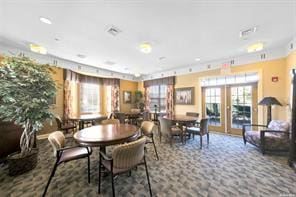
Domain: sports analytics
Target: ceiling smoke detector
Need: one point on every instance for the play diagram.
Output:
(114, 31)
(244, 34)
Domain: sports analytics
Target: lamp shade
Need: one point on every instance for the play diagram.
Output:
(269, 101)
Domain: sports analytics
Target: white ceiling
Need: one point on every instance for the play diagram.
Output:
(178, 30)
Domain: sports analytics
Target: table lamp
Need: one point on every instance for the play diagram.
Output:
(269, 101)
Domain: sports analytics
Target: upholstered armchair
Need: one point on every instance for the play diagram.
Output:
(169, 130)
(201, 130)
(124, 158)
(65, 154)
(274, 137)
(147, 128)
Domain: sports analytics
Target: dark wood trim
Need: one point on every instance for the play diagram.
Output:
(292, 153)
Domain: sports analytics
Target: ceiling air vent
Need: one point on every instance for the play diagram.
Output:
(247, 32)
(109, 63)
(113, 31)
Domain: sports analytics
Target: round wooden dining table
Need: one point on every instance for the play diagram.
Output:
(86, 118)
(181, 119)
(106, 135)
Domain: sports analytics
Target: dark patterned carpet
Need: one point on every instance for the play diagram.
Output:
(225, 168)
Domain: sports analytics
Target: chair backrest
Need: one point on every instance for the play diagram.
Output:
(147, 127)
(129, 154)
(110, 121)
(193, 114)
(57, 141)
(146, 115)
(59, 121)
(165, 125)
(204, 126)
(120, 116)
(136, 111)
(279, 125)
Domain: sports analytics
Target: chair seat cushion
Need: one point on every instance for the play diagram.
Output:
(74, 153)
(272, 140)
(107, 165)
(193, 129)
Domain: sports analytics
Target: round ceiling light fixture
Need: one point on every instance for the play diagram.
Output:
(45, 20)
(255, 47)
(145, 47)
(137, 74)
(197, 59)
(38, 49)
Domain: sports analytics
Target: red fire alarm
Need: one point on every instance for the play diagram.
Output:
(274, 79)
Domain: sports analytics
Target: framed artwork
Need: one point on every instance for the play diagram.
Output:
(127, 97)
(184, 96)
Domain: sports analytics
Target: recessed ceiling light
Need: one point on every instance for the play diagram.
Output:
(38, 49)
(56, 39)
(161, 58)
(255, 47)
(197, 59)
(137, 74)
(45, 20)
(81, 56)
(145, 47)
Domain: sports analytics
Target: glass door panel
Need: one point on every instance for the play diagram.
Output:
(213, 102)
(241, 104)
(241, 107)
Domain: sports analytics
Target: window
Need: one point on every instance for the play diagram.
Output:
(157, 95)
(213, 106)
(89, 98)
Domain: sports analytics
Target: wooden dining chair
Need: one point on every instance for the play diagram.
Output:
(200, 130)
(65, 154)
(110, 121)
(169, 130)
(147, 128)
(124, 158)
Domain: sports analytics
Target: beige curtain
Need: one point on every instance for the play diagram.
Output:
(115, 98)
(71, 97)
(170, 99)
(147, 99)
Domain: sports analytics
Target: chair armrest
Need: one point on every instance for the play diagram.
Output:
(254, 125)
(274, 131)
(102, 154)
(88, 149)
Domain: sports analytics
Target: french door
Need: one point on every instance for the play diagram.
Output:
(229, 107)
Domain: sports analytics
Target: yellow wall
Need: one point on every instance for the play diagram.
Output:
(127, 86)
(265, 70)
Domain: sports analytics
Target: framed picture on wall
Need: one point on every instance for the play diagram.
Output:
(184, 96)
(127, 97)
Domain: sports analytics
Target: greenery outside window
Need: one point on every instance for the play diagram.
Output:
(89, 98)
(157, 95)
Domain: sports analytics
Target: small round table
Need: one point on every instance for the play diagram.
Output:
(87, 117)
(181, 119)
(106, 135)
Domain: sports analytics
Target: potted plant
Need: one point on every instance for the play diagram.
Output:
(26, 92)
(139, 100)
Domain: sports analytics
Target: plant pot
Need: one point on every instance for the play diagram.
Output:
(18, 165)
